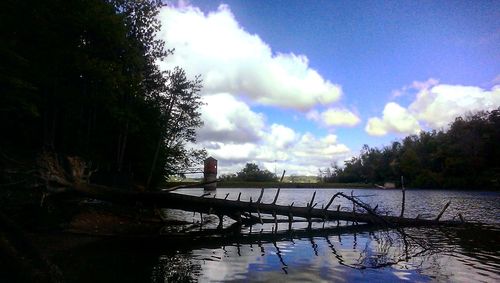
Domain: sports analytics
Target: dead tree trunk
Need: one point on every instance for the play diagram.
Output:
(231, 208)
(73, 181)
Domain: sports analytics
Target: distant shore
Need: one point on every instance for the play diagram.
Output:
(298, 185)
(288, 185)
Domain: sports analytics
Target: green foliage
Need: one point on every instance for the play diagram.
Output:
(251, 173)
(465, 156)
(80, 78)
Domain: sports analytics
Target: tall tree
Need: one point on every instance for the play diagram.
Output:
(81, 78)
(465, 156)
(180, 117)
(251, 172)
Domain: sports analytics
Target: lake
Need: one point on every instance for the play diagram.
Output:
(328, 252)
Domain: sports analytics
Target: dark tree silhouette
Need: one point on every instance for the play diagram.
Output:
(465, 156)
(80, 78)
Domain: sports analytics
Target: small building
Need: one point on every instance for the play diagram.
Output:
(210, 173)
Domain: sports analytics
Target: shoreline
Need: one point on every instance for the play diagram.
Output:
(273, 185)
(255, 185)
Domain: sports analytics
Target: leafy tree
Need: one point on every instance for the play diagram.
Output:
(465, 156)
(252, 173)
(179, 119)
(80, 78)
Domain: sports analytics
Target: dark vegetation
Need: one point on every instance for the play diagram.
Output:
(251, 176)
(78, 78)
(291, 185)
(250, 173)
(466, 156)
(79, 81)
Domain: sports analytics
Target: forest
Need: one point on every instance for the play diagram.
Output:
(250, 173)
(80, 78)
(465, 156)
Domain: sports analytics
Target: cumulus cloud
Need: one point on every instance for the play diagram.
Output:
(298, 153)
(327, 146)
(227, 119)
(415, 85)
(307, 153)
(240, 70)
(231, 60)
(394, 119)
(435, 106)
(441, 104)
(280, 137)
(235, 134)
(233, 152)
(334, 117)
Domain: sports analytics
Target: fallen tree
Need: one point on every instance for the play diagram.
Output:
(65, 178)
(71, 179)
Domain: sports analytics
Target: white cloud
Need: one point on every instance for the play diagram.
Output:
(425, 84)
(227, 119)
(280, 137)
(435, 106)
(334, 117)
(300, 154)
(394, 119)
(310, 146)
(240, 70)
(309, 152)
(441, 104)
(231, 60)
(234, 152)
(415, 85)
(235, 135)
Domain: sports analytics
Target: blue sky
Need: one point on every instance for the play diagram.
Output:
(303, 84)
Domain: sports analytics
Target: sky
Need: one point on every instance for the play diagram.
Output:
(301, 85)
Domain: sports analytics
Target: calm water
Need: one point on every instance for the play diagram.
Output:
(329, 252)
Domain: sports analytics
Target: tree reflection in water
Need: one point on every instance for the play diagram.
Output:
(357, 247)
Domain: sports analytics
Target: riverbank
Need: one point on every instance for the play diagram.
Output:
(250, 185)
(285, 185)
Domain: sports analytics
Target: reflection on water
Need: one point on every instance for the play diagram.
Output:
(382, 256)
(331, 252)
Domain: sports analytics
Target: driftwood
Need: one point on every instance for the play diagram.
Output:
(235, 209)
(196, 185)
(73, 180)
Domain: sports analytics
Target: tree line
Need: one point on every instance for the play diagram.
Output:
(466, 156)
(80, 78)
(250, 173)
